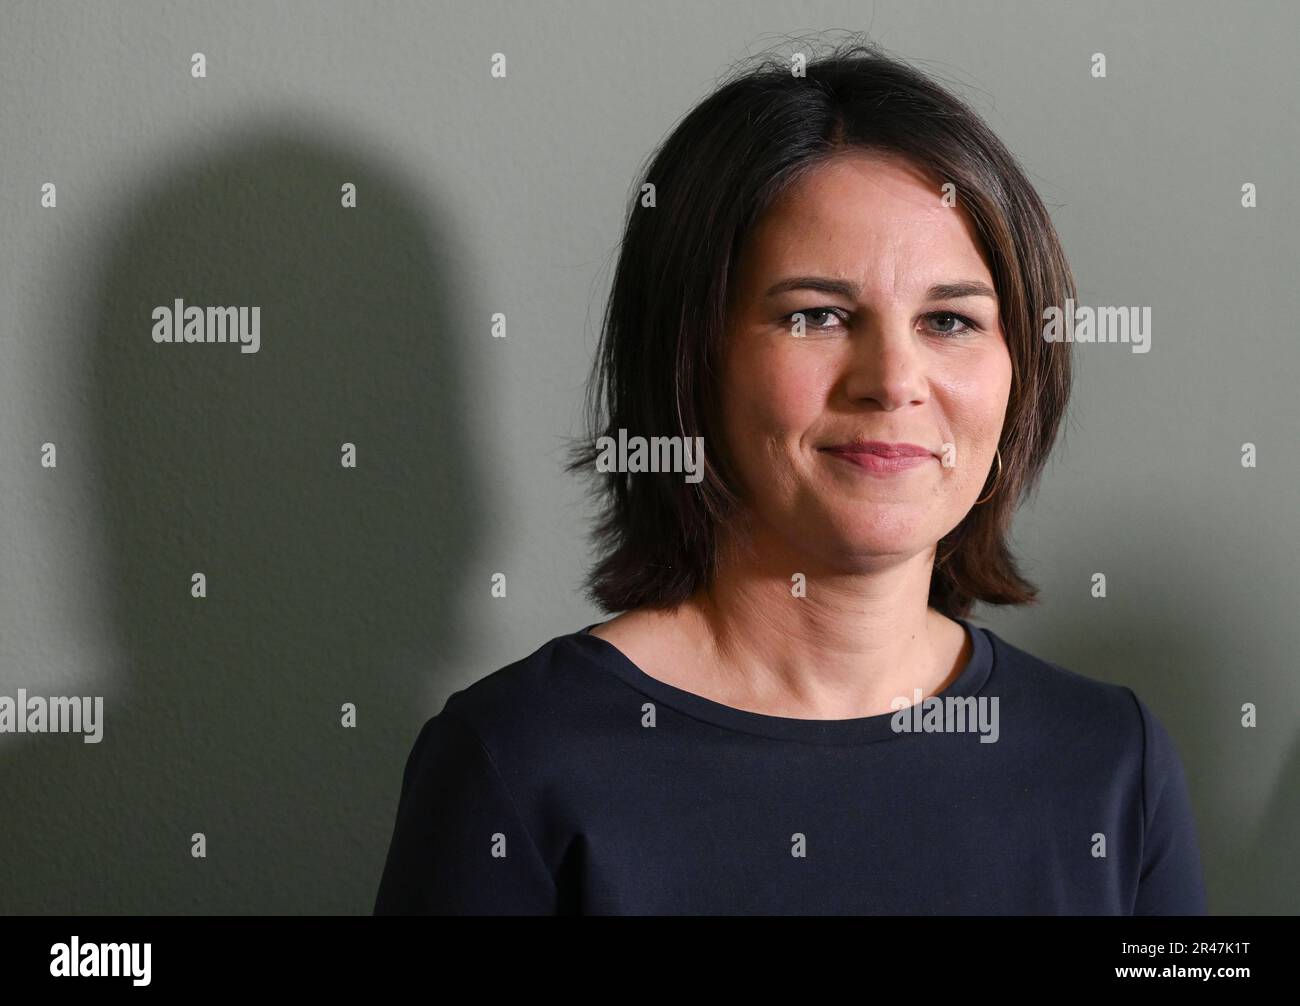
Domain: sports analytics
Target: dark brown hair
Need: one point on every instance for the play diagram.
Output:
(662, 338)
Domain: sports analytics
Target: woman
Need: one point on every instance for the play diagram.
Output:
(837, 281)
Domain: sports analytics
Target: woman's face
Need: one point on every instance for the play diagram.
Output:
(886, 357)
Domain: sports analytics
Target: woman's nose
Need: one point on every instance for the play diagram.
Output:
(887, 365)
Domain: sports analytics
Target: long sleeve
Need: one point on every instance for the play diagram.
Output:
(1171, 881)
(459, 846)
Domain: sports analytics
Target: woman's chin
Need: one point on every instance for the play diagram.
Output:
(870, 549)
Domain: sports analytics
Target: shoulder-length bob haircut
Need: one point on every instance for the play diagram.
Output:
(661, 346)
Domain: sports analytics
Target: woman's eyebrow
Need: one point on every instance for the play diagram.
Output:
(962, 288)
(845, 288)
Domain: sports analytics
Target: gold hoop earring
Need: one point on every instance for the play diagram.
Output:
(977, 503)
(995, 480)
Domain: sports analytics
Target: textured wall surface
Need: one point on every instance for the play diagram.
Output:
(328, 585)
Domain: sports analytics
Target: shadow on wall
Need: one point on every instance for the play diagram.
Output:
(325, 585)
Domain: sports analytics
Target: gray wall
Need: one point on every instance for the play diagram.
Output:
(479, 195)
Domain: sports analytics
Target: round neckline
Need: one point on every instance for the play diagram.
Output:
(857, 729)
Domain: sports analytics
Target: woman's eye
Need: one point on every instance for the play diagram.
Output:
(948, 324)
(946, 318)
(814, 317)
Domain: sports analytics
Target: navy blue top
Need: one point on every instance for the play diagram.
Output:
(571, 781)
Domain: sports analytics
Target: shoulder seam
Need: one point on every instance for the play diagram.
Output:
(1142, 777)
(473, 732)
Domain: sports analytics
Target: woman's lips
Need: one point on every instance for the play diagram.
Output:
(880, 463)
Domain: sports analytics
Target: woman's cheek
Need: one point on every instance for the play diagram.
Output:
(794, 393)
(758, 401)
